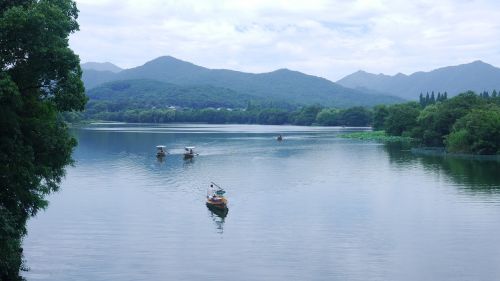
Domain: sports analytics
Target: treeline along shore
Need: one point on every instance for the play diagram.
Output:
(467, 123)
(265, 114)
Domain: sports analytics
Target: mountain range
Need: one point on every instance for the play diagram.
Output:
(285, 85)
(476, 76)
(175, 81)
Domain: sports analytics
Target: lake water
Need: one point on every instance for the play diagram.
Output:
(313, 207)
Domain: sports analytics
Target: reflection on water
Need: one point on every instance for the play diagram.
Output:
(188, 161)
(313, 207)
(473, 175)
(470, 174)
(218, 216)
(161, 159)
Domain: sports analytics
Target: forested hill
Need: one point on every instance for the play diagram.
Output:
(285, 85)
(476, 76)
(147, 94)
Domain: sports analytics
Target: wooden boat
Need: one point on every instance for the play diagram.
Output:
(217, 202)
(220, 212)
(189, 152)
(161, 151)
(215, 198)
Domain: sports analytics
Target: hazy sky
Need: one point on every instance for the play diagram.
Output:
(326, 38)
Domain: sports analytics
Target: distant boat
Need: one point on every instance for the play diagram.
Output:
(279, 138)
(216, 199)
(161, 151)
(189, 152)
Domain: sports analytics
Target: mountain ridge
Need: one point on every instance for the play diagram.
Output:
(101, 66)
(476, 76)
(282, 84)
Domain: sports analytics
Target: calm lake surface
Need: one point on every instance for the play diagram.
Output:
(313, 207)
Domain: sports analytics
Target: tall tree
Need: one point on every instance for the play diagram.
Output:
(477, 132)
(436, 121)
(39, 77)
(380, 112)
(401, 118)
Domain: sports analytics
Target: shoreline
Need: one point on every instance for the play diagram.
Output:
(381, 136)
(101, 122)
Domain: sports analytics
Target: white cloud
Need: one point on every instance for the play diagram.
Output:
(325, 38)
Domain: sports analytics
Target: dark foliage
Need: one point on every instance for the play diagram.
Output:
(467, 123)
(39, 77)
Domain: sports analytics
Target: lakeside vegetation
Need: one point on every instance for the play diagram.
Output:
(376, 136)
(467, 123)
(266, 114)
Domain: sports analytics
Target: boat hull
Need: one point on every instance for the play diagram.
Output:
(221, 212)
(220, 204)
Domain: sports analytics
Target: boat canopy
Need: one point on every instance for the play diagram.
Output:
(160, 146)
(215, 188)
(189, 147)
(215, 191)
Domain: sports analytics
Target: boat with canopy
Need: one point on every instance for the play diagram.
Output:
(161, 151)
(215, 198)
(189, 152)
